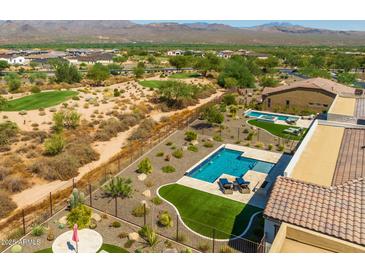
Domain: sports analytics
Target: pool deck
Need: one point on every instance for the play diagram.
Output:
(255, 197)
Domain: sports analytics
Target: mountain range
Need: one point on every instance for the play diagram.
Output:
(122, 31)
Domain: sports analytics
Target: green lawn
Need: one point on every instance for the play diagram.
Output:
(276, 129)
(107, 247)
(150, 83)
(39, 100)
(184, 75)
(201, 211)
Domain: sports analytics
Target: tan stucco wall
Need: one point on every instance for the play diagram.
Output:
(318, 160)
(294, 239)
(343, 106)
(299, 99)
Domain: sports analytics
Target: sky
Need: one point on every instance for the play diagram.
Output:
(324, 24)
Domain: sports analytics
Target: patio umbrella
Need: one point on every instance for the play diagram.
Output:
(75, 237)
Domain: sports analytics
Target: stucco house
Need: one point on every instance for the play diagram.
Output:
(315, 94)
(13, 59)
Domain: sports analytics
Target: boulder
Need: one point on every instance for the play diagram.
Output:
(147, 193)
(134, 236)
(63, 220)
(142, 177)
(96, 217)
(194, 142)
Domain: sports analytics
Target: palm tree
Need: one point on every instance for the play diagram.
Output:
(119, 187)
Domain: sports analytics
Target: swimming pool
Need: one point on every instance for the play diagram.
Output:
(281, 117)
(230, 162)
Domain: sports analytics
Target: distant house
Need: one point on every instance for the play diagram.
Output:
(175, 52)
(12, 59)
(226, 54)
(315, 94)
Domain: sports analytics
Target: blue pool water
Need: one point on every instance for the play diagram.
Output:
(230, 162)
(253, 113)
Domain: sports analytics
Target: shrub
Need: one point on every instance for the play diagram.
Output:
(193, 148)
(165, 220)
(16, 248)
(270, 146)
(191, 135)
(119, 187)
(80, 215)
(122, 235)
(168, 143)
(204, 247)
(8, 130)
(15, 183)
(168, 169)
(144, 130)
(281, 148)
(229, 99)
(217, 138)
(116, 93)
(7, 205)
(249, 136)
(139, 210)
(54, 145)
(225, 249)
(181, 238)
(156, 200)
(149, 235)
(38, 230)
(145, 166)
(35, 89)
(208, 144)
(116, 224)
(50, 235)
(178, 153)
(159, 154)
(129, 243)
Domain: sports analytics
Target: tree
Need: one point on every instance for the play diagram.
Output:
(80, 215)
(208, 63)
(3, 65)
(346, 78)
(145, 166)
(314, 72)
(237, 69)
(213, 115)
(54, 145)
(98, 73)
(180, 61)
(66, 72)
(3, 102)
(229, 99)
(13, 81)
(174, 93)
(138, 71)
(345, 62)
(268, 81)
(119, 187)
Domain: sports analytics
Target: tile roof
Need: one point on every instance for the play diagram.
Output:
(313, 83)
(337, 211)
(351, 157)
(360, 108)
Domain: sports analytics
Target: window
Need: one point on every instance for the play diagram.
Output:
(287, 102)
(268, 102)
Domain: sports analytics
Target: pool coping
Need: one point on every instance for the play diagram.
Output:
(272, 113)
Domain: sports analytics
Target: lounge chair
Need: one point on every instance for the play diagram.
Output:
(242, 185)
(225, 186)
(291, 120)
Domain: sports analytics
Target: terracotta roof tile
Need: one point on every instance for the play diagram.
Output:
(336, 211)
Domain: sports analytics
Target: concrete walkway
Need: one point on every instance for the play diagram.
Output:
(90, 242)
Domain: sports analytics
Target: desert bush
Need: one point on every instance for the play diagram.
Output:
(80, 215)
(168, 169)
(54, 145)
(208, 144)
(35, 89)
(145, 166)
(204, 247)
(159, 154)
(191, 136)
(193, 148)
(8, 130)
(119, 187)
(7, 205)
(178, 153)
(66, 119)
(109, 128)
(38, 230)
(165, 220)
(14, 183)
(82, 152)
(139, 210)
(225, 249)
(217, 138)
(116, 224)
(156, 200)
(144, 130)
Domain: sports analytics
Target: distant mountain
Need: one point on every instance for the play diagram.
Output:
(121, 31)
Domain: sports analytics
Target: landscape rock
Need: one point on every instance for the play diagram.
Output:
(194, 142)
(147, 193)
(96, 217)
(63, 220)
(134, 236)
(142, 177)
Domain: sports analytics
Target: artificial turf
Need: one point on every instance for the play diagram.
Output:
(184, 75)
(39, 100)
(150, 83)
(106, 247)
(202, 211)
(276, 129)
